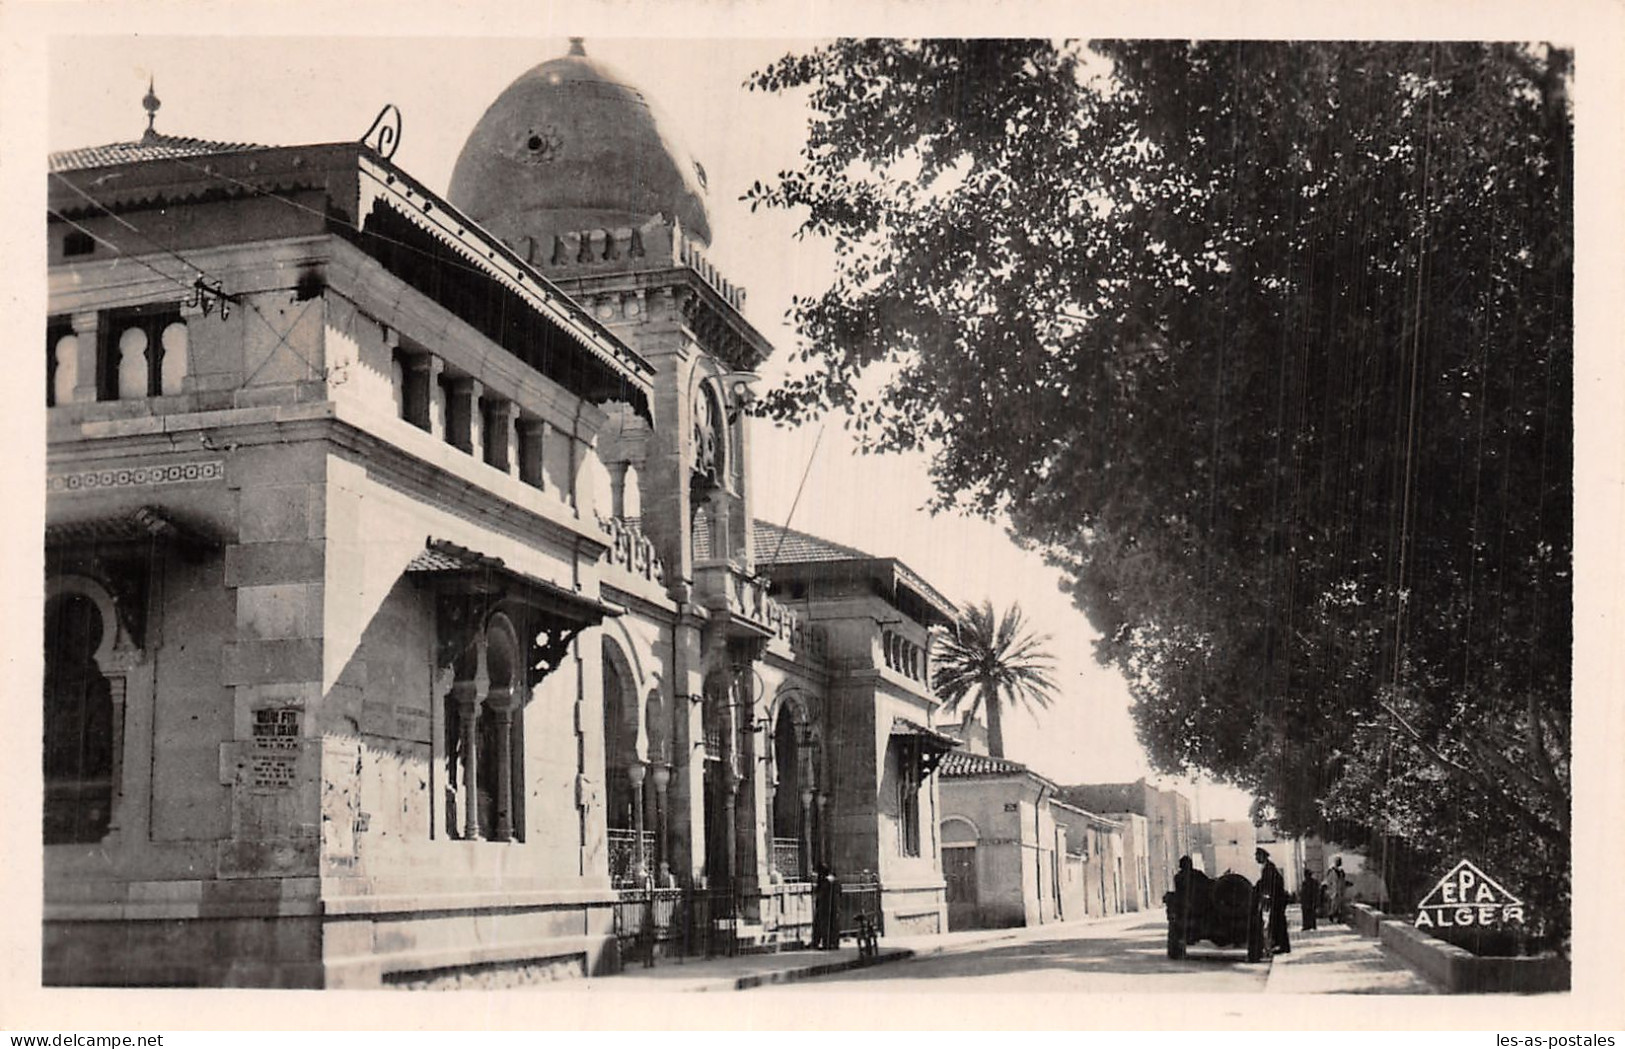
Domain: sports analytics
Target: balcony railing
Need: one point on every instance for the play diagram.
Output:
(630, 856)
(747, 600)
(630, 549)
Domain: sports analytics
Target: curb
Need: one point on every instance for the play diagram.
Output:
(745, 983)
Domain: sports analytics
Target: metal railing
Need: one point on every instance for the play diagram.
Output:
(860, 897)
(630, 857)
(692, 922)
(787, 859)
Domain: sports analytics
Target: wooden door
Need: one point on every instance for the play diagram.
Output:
(959, 870)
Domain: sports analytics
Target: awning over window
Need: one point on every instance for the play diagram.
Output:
(452, 567)
(144, 524)
(927, 744)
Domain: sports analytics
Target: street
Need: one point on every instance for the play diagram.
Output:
(1111, 957)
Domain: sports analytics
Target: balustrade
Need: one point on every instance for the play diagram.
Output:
(630, 549)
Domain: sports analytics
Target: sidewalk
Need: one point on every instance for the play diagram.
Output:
(745, 971)
(1334, 959)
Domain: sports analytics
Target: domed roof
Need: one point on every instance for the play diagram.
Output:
(570, 146)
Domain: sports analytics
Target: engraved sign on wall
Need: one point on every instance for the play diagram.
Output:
(276, 748)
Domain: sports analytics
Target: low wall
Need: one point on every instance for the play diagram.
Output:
(1367, 920)
(1459, 971)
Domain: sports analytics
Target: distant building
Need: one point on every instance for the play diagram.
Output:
(1097, 845)
(1166, 812)
(1228, 846)
(1002, 849)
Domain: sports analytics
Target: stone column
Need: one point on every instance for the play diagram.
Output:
(422, 377)
(635, 773)
(661, 779)
(730, 808)
(85, 390)
(117, 689)
(617, 488)
(823, 828)
(806, 833)
(463, 414)
(531, 433)
(467, 701)
(500, 702)
(499, 436)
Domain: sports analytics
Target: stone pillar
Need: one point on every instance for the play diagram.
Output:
(531, 432)
(635, 773)
(463, 414)
(117, 690)
(806, 833)
(500, 702)
(661, 779)
(499, 435)
(730, 809)
(422, 379)
(823, 828)
(617, 488)
(467, 700)
(85, 389)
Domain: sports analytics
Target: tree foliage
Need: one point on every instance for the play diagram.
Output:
(1268, 347)
(989, 662)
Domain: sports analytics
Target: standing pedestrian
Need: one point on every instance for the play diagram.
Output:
(1339, 883)
(1309, 896)
(826, 934)
(1271, 884)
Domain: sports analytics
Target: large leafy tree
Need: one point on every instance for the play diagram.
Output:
(1268, 347)
(988, 662)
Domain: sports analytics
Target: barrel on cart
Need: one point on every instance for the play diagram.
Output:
(1227, 911)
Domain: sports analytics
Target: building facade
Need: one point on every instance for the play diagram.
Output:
(1003, 851)
(406, 612)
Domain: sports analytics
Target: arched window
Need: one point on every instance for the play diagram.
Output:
(789, 829)
(79, 730)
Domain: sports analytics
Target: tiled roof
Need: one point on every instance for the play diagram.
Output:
(778, 545)
(906, 727)
(960, 765)
(149, 147)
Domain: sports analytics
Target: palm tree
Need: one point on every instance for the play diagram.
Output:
(990, 661)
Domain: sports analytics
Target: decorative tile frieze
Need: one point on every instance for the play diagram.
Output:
(136, 476)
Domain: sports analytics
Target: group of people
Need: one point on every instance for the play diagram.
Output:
(1310, 894)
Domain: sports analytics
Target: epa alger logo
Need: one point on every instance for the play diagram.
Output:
(1465, 897)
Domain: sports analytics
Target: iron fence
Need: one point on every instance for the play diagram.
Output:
(692, 922)
(860, 898)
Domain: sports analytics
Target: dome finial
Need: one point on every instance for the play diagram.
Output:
(151, 104)
(578, 46)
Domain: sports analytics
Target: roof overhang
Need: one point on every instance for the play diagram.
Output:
(145, 525)
(929, 744)
(353, 192)
(900, 583)
(447, 567)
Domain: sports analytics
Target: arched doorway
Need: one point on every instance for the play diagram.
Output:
(959, 837)
(631, 847)
(791, 799)
(79, 730)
